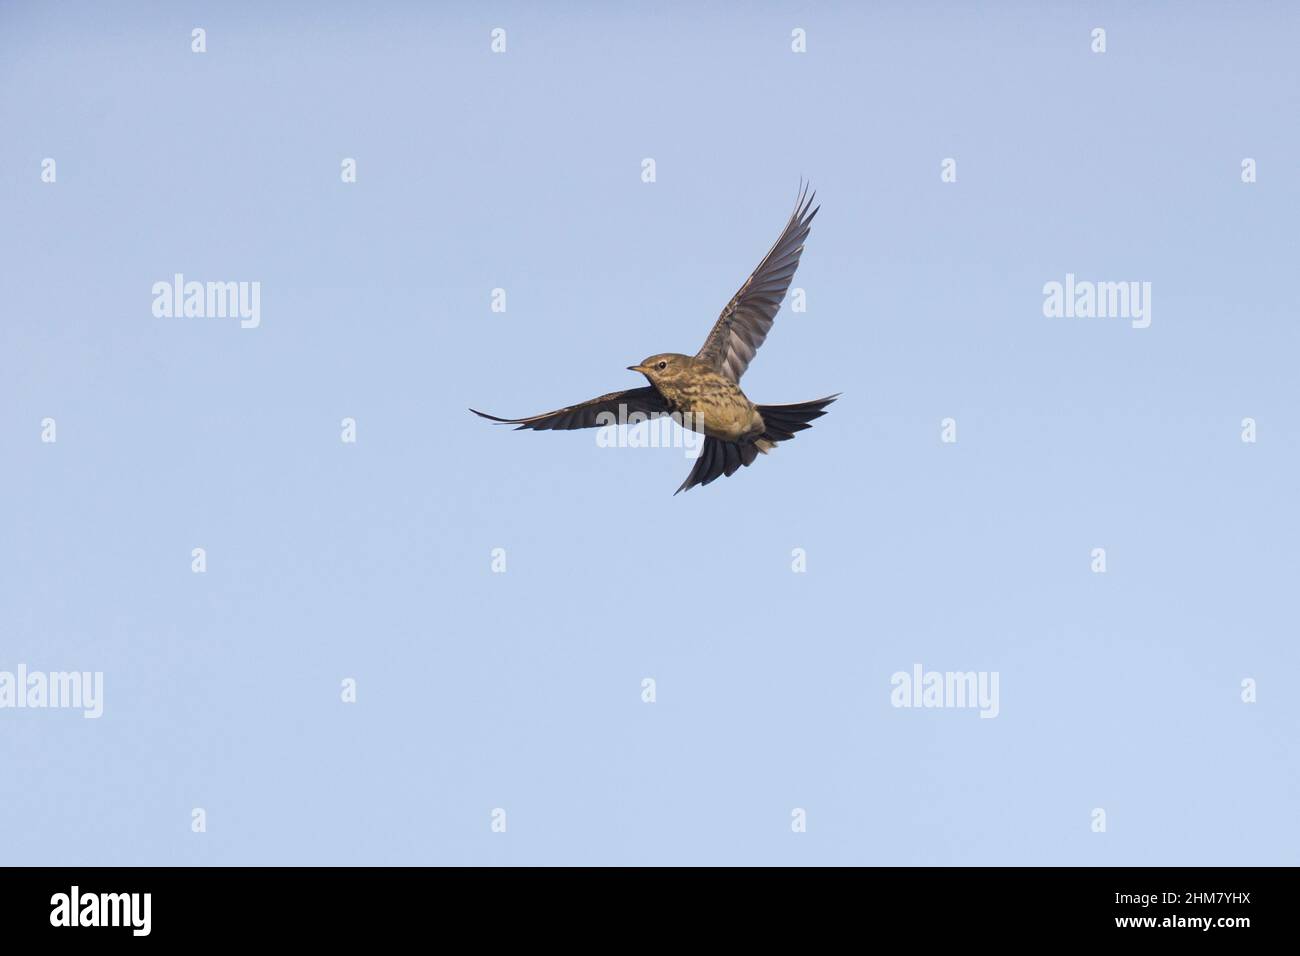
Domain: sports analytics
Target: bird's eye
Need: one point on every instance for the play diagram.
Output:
(661, 366)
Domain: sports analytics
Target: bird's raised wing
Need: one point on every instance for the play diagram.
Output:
(744, 323)
(646, 400)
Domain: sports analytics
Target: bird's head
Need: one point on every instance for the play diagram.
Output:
(662, 368)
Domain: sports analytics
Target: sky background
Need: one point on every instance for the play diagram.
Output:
(372, 561)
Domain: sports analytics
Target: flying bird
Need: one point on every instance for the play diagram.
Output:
(702, 391)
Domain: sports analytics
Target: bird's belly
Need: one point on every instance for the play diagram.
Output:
(725, 421)
(732, 433)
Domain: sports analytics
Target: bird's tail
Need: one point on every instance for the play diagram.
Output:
(726, 457)
(783, 421)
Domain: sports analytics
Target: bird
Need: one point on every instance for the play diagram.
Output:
(702, 391)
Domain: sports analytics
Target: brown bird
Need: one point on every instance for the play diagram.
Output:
(702, 392)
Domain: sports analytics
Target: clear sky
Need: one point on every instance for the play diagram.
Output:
(372, 561)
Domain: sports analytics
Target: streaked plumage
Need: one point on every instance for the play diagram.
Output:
(705, 387)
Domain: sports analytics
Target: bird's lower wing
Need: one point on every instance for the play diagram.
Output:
(781, 422)
(610, 409)
(719, 458)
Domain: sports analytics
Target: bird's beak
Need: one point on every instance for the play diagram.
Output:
(636, 368)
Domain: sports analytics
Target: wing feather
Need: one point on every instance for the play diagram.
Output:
(587, 414)
(745, 322)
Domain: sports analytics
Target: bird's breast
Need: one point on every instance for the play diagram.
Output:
(715, 408)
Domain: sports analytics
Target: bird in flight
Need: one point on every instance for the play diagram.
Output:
(702, 391)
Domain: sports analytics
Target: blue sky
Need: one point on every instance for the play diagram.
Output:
(522, 690)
